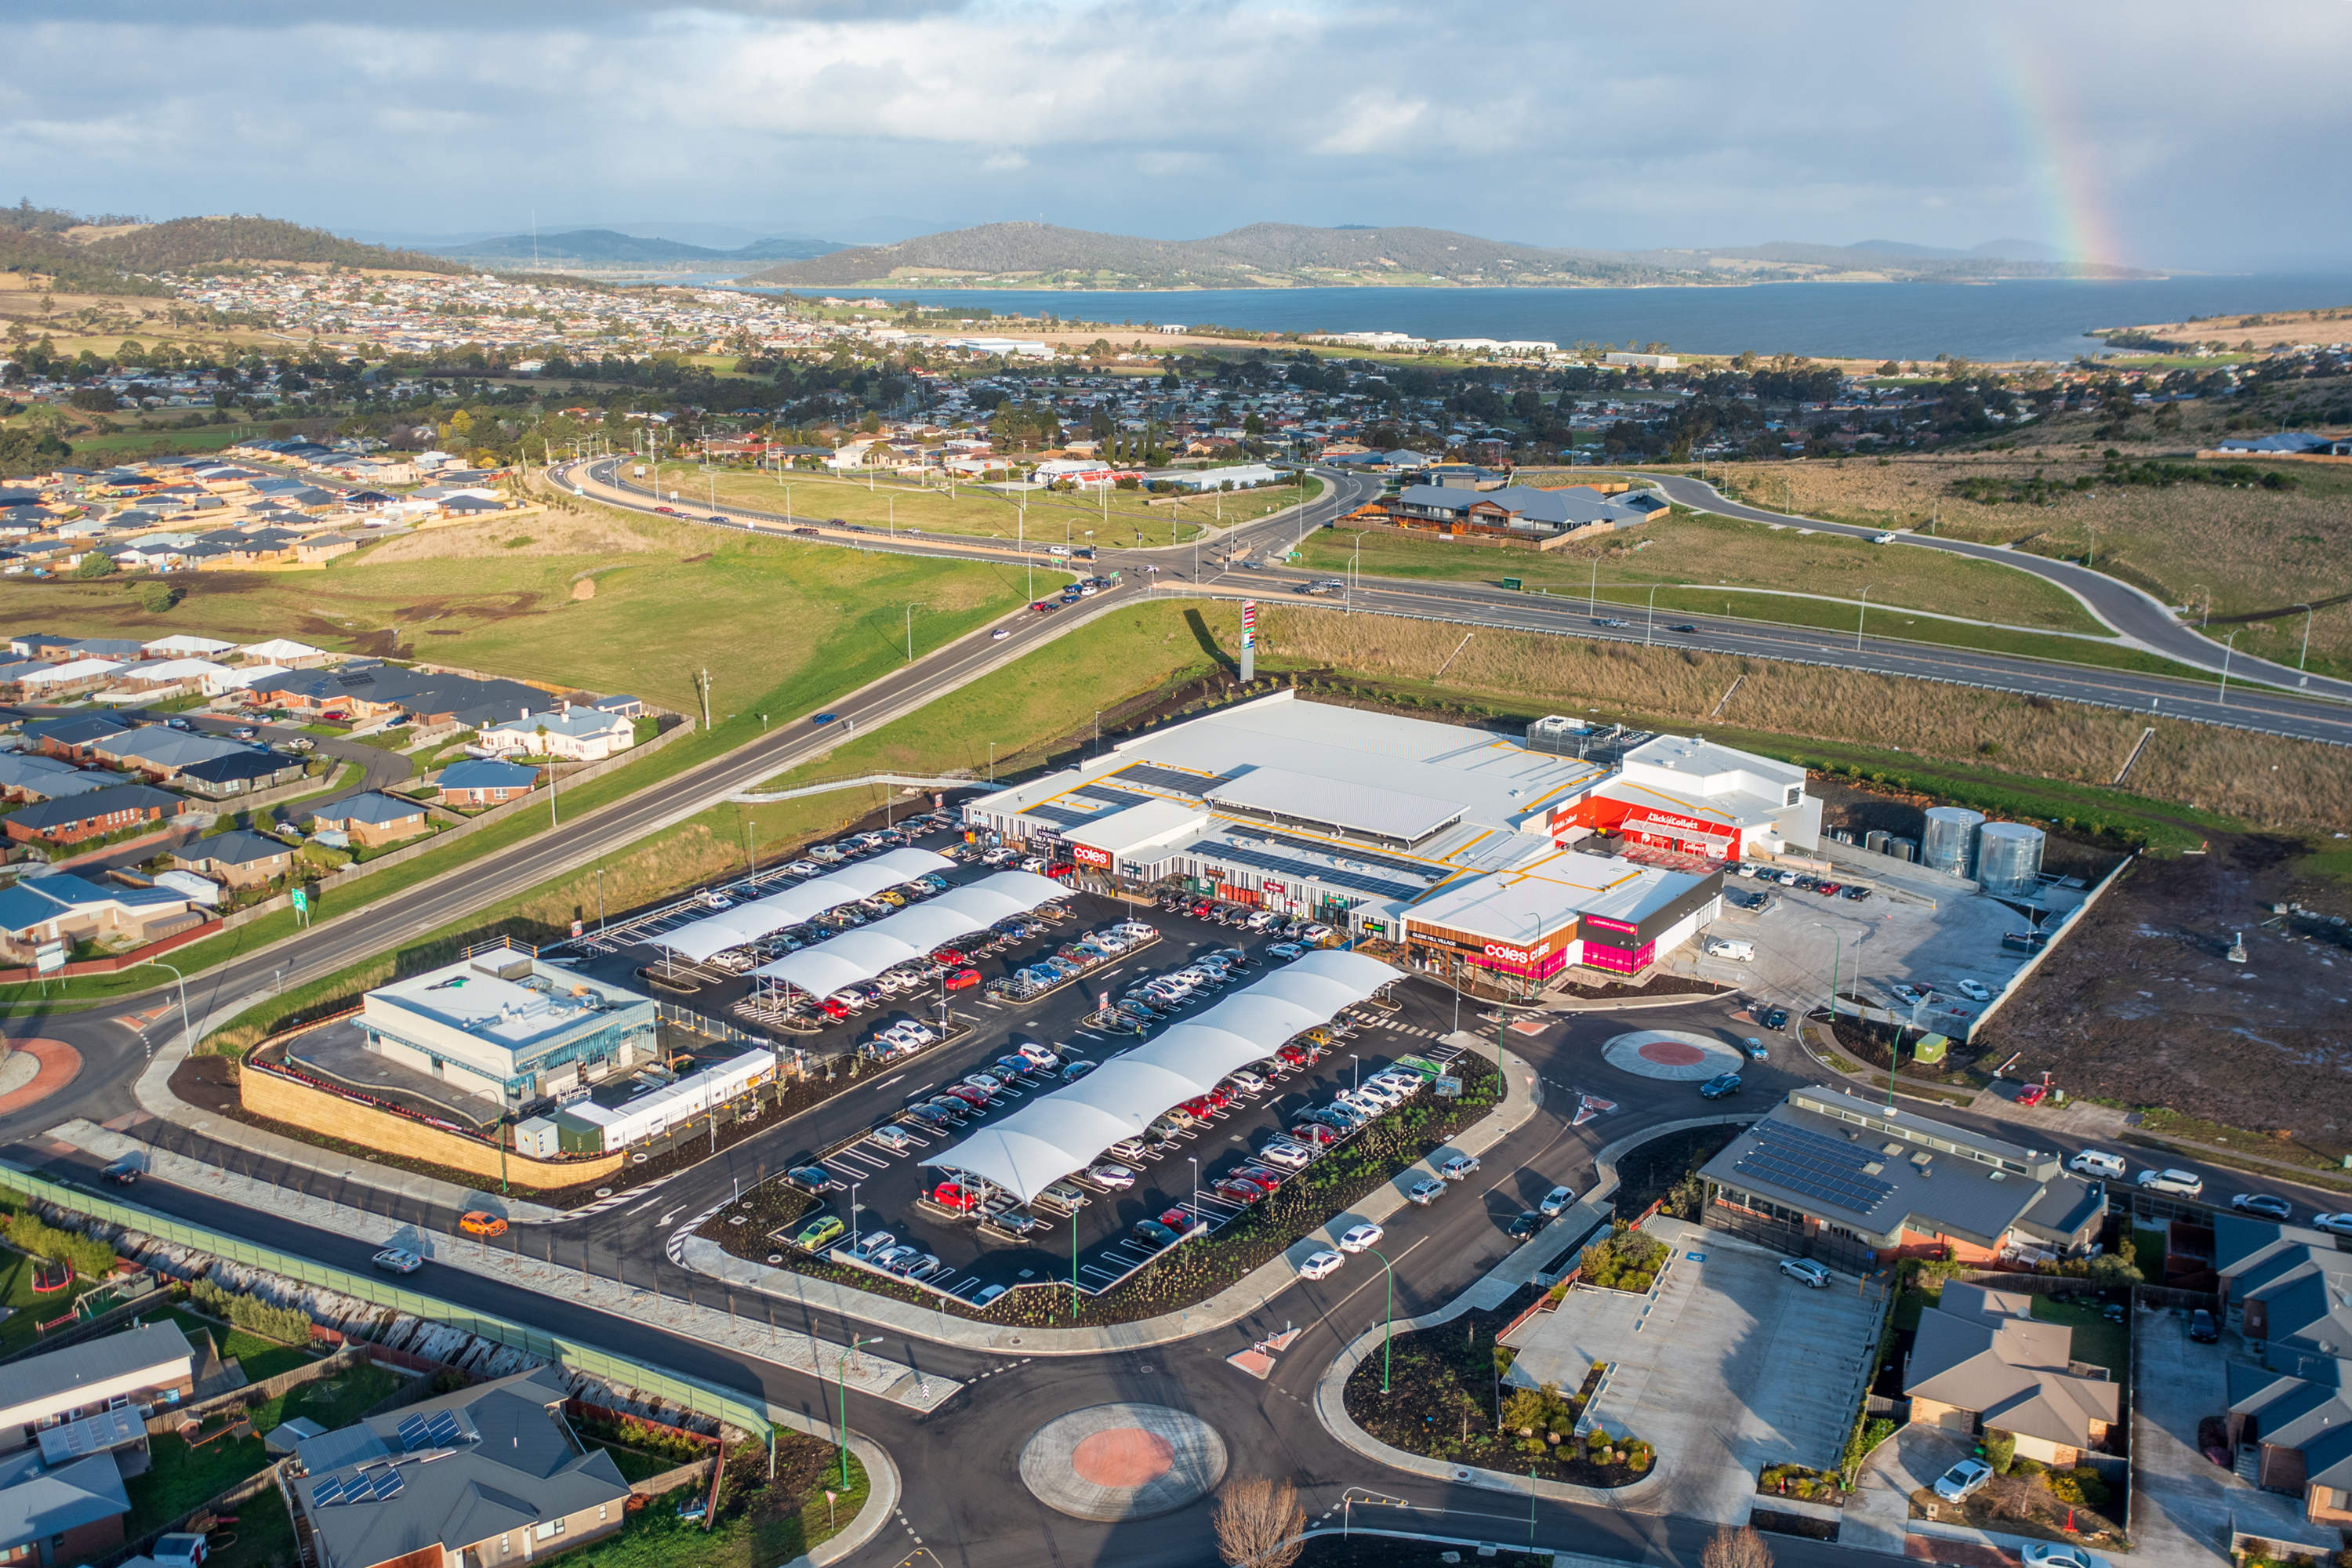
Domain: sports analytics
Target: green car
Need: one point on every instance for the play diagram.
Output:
(820, 1233)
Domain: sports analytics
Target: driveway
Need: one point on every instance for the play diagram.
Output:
(1729, 1366)
(2183, 1502)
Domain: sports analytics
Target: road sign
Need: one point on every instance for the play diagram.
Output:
(49, 957)
(1448, 1087)
(301, 901)
(578, 927)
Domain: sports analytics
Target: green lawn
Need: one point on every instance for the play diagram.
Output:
(2097, 1341)
(636, 1464)
(27, 1310)
(261, 1359)
(183, 1477)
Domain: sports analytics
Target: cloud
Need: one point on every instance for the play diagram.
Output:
(1562, 121)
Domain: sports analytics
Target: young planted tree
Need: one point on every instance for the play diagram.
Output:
(1258, 1521)
(1741, 1547)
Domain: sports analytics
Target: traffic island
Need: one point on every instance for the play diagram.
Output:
(1118, 1462)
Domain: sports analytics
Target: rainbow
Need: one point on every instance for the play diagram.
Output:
(2058, 158)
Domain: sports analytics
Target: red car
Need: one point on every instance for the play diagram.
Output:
(1828, 890)
(1219, 1097)
(1261, 1176)
(951, 957)
(1178, 1220)
(951, 1196)
(1202, 908)
(1297, 1055)
(836, 1010)
(962, 979)
(969, 1095)
(1315, 1133)
(1240, 1191)
(2032, 1094)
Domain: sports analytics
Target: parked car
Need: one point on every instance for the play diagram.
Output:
(397, 1260)
(1805, 1271)
(1972, 990)
(2031, 1095)
(1555, 1202)
(1154, 1235)
(478, 1221)
(1719, 1086)
(2181, 1184)
(810, 1178)
(1968, 1477)
(2333, 1224)
(1321, 1265)
(1240, 1191)
(872, 1244)
(1359, 1237)
(820, 1233)
(892, 1139)
(1527, 1223)
(2097, 1163)
(1117, 1177)
(2270, 1206)
(1428, 1190)
(1459, 1168)
(2202, 1328)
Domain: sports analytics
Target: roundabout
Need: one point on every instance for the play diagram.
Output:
(1117, 1462)
(1674, 1055)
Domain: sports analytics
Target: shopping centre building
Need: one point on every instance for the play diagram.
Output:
(1512, 854)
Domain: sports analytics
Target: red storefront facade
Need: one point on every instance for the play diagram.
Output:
(1653, 825)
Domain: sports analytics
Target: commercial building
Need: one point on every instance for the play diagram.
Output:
(504, 1026)
(1453, 843)
(1838, 1176)
(1517, 511)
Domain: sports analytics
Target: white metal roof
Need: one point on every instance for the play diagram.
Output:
(1348, 804)
(1063, 1132)
(862, 954)
(749, 921)
(1136, 827)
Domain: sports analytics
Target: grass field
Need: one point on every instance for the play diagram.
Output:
(27, 1309)
(1117, 517)
(2246, 551)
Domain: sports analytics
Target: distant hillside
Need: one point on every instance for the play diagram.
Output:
(1277, 255)
(606, 248)
(32, 241)
(190, 242)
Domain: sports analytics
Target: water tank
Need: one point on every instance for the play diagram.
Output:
(1903, 848)
(1876, 840)
(2008, 858)
(1951, 842)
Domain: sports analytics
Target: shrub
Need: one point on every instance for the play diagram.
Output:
(288, 1325)
(2000, 1451)
(2081, 1487)
(90, 1260)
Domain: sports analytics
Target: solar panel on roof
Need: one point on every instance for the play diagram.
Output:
(1119, 798)
(411, 1433)
(388, 1483)
(330, 1491)
(1242, 855)
(444, 1428)
(1060, 816)
(1802, 1161)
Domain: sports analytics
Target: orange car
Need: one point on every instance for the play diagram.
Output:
(477, 1222)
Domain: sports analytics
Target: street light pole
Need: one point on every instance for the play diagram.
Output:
(2305, 651)
(843, 1369)
(2228, 646)
(187, 1024)
(1388, 1319)
(1862, 616)
(1837, 944)
(1652, 625)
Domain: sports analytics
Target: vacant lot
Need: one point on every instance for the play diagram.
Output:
(2253, 552)
(2142, 1006)
(1117, 517)
(1716, 551)
(505, 596)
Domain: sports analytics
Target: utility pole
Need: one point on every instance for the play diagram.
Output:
(1864, 616)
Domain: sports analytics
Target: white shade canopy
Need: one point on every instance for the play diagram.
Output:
(1063, 1132)
(697, 940)
(828, 966)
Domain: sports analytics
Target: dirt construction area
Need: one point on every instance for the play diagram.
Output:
(2142, 1006)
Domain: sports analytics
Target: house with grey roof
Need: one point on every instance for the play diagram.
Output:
(240, 857)
(26, 777)
(575, 735)
(2298, 1430)
(1982, 1363)
(139, 1364)
(491, 1475)
(57, 1514)
(369, 818)
(1838, 1176)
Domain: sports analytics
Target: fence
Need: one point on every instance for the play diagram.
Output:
(120, 961)
(586, 1360)
(268, 1388)
(2025, 971)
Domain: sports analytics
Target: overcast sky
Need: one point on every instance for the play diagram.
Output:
(2153, 132)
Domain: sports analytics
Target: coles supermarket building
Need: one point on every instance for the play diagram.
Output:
(1462, 846)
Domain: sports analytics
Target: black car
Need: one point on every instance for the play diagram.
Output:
(1154, 1235)
(1777, 1018)
(122, 1173)
(810, 1178)
(1683, 626)
(1719, 1086)
(1527, 1225)
(2201, 1327)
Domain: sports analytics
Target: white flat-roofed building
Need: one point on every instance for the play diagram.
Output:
(503, 1025)
(1699, 798)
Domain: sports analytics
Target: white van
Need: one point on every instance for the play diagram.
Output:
(1728, 947)
(2097, 1163)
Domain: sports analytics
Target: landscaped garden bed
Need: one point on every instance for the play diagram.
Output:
(1624, 1259)
(1804, 1485)
(1184, 1274)
(1665, 1170)
(758, 1523)
(1447, 1400)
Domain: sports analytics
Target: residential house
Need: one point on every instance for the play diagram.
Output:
(486, 782)
(181, 646)
(1904, 1186)
(69, 909)
(238, 857)
(138, 1365)
(369, 818)
(241, 771)
(575, 735)
(160, 676)
(491, 1476)
(285, 651)
(75, 677)
(1981, 1362)
(73, 736)
(2299, 1429)
(57, 1514)
(80, 817)
(319, 549)
(626, 706)
(30, 778)
(160, 752)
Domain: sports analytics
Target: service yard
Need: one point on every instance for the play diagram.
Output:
(2142, 1006)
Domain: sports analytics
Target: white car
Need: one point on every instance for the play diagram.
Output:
(1117, 1177)
(2058, 1554)
(1968, 1476)
(1459, 1168)
(1032, 1051)
(893, 1138)
(1556, 1203)
(999, 634)
(1360, 1237)
(873, 1245)
(1973, 990)
(1883, 539)
(1321, 1265)
(1804, 1270)
(2181, 1184)
(2097, 1163)
(1428, 1190)
(1247, 1082)
(2333, 1223)
(1288, 1155)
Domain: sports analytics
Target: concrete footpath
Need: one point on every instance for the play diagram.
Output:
(1522, 1096)
(756, 1337)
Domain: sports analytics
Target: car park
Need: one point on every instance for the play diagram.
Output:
(2270, 1206)
(1973, 990)
(1321, 1265)
(1555, 1202)
(1428, 1190)
(397, 1260)
(1719, 1086)
(1969, 1477)
(1805, 1271)
(1359, 1237)
(2180, 1183)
